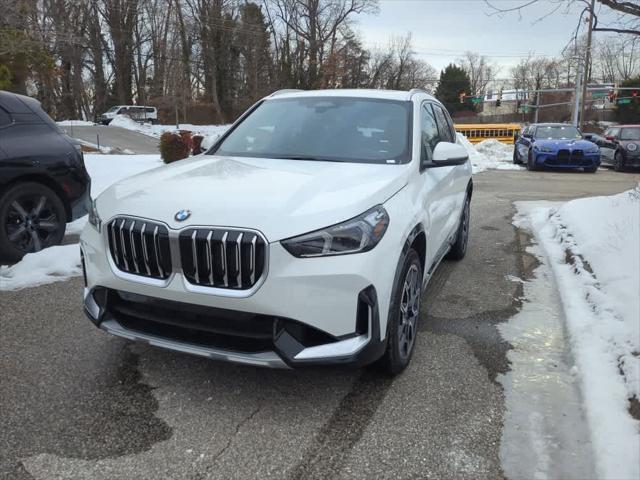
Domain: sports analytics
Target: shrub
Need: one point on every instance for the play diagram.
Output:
(175, 146)
(196, 141)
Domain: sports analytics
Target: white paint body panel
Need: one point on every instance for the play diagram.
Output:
(285, 198)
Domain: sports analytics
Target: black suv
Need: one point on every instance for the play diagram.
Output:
(43, 181)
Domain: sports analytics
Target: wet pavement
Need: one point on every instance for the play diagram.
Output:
(77, 403)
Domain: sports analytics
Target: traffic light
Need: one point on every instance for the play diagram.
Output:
(499, 98)
(634, 94)
(461, 95)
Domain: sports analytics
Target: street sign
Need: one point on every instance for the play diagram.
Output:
(599, 94)
(476, 99)
(623, 101)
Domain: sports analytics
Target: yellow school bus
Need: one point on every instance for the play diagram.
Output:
(477, 132)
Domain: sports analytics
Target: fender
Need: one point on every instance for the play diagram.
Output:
(417, 230)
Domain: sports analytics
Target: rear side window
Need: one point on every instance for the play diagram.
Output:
(5, 118)
(150, 109)
(443, 125)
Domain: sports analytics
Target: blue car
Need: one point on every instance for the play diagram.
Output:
(555, 146)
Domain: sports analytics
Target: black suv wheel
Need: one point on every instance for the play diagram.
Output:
(32, 217)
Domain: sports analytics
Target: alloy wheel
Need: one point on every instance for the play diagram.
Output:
(31, 222)
(409, 311)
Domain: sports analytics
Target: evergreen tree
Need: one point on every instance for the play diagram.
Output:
(453, 81)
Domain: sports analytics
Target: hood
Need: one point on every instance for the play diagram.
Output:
(280, 198)
(572, 144)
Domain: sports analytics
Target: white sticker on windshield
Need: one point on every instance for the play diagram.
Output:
(391, 161)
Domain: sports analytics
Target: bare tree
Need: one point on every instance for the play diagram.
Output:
(480, 72)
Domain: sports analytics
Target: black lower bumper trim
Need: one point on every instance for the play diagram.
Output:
(233, 330)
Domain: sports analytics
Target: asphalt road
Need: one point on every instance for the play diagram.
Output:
(78, 404)
(109, 136)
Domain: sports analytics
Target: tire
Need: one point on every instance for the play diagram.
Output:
(531, 166)
(618, 162)
(459, 247)
(32, 217)
(404, 316)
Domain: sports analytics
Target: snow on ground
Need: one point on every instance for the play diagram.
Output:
(123, 121)
(50, 265)
(592, 248)
(75, 123)
(489, 155)
(59, 263)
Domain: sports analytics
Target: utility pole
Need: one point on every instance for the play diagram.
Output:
(535, 116)
(587, 65)
(577, 94)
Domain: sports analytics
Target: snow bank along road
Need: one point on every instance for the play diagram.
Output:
(79, 404)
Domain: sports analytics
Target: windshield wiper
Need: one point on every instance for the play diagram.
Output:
(308, 158)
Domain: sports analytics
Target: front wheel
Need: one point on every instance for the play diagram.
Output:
(531, 163)
(32, 217)
(459, 247)
(404, 313)
(618, 162)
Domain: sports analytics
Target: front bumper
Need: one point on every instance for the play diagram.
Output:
(631, 159)
(566, 161)
(237, 337)
(319, 311)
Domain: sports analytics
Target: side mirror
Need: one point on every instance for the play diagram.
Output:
(516, 136)
(209, 141)
(611, 138)
(446, 154)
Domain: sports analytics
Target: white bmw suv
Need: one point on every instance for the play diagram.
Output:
(304, 236)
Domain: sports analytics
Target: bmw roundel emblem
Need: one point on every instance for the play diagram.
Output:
(182, 215)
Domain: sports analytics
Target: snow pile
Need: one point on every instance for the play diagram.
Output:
(75, 123)
(124, 121)
(489, 155)
(592, 246)
(46, 266)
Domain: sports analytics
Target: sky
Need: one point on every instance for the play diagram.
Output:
(443, 29)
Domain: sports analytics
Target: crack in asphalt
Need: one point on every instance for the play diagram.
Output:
(332, 445)
(230, 440)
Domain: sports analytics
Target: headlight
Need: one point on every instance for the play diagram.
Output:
(360, 234)
(632, 147)
(94, 218)
(544, 149)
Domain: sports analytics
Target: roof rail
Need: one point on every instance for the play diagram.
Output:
(413, 91)
(286, 90)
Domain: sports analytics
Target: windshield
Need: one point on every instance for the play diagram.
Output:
(557, 132)
(324, 128)
(630, 133)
